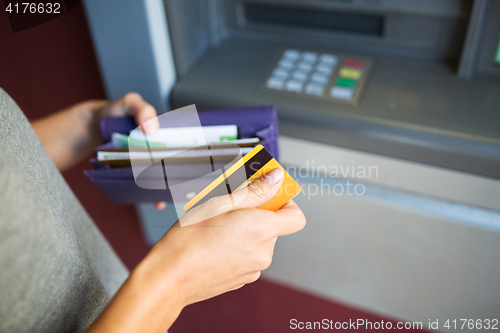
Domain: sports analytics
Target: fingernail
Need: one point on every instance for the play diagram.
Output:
(150, 128)
(274, 176)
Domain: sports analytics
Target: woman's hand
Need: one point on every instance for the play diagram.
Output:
(229, 249)
(133, 105)
(71, 134)
(202, 260)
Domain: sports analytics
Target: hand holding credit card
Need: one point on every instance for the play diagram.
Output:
(255, 164)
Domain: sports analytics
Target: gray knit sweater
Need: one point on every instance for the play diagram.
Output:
(57, 272)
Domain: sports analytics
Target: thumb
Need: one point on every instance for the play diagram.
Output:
(256, 194)
(132, 104)
(259, 191)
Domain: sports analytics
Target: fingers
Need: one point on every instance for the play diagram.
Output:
(251, 278)
(288, 220)
(248, 278)
(160, 205)
(260, 191)
(237, 287)
(133, 105)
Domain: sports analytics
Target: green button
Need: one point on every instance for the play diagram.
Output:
(497, 55)
(346, 82)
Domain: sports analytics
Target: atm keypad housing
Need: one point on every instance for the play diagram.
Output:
(335, 77)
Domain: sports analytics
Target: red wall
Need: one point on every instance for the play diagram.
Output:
(50, 66)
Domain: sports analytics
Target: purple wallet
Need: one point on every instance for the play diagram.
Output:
(118, 183)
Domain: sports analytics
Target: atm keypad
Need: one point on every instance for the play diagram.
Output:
(322, 75)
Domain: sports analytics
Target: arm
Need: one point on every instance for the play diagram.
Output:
(71, 134)
(196, 262)
(188, 264)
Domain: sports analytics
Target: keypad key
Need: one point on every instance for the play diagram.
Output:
(342, 93)
(300, 75)
(281, 72)
(309, 56)
(319, 78)
(343, 82)
(326, 64)
(275, 83)
(327, 70)
(305, 66)
(350, 73)
(294, 86)
(328, 59)
(285, 62)
(286, 66)
(356, 63)
(315, 89)
(291, 54)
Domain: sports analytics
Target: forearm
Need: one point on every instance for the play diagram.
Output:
(143, 304)
(69, 135)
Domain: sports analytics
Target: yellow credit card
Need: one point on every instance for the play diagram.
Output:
(255, 164)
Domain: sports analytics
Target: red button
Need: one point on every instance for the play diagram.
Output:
(354, 63)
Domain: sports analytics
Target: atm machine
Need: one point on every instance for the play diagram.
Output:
(410, 89)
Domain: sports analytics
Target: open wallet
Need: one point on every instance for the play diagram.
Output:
(117, 181)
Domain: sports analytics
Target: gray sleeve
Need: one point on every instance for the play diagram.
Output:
(57, 272)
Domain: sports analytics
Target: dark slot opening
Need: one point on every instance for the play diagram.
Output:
(316, 19)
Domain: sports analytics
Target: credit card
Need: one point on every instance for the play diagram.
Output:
(256, 163)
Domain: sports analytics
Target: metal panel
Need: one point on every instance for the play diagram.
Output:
(379, 253)
(489, 41)
(133, 48)
(415, 110)
(132, 44)
(432, 30)
(194, 27)
(393, 173)
(474, 31)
